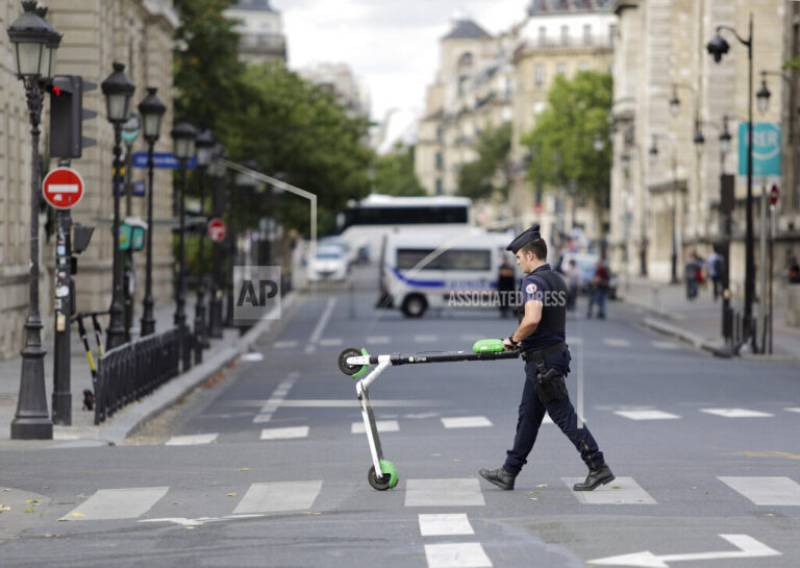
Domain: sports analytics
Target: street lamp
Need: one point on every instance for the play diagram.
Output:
(725, 138)
(35, 44)
(118, 90)
(674, 102)
(217, 173)
(763, 95)
(654, 152)
(717, 48)
(205, 146)
(152, 110)
(183, 136)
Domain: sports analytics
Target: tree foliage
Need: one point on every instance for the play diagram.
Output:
(489, 172)
(563, 141)
(394, 173)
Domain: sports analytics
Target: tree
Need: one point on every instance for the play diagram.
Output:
(563, 141)
(394, 173)
(490, 171)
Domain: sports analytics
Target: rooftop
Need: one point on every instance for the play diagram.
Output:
(253, 6)
(466, 29)
(543, 7)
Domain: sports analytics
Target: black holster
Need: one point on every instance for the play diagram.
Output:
(550, 385)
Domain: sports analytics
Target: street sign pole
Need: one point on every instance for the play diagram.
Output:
(62, 379)
(762, 267)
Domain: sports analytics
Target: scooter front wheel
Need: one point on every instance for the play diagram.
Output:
(388, 478)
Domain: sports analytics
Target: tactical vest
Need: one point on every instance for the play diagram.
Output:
(552, 327)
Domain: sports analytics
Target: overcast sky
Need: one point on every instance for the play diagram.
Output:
(390, 44)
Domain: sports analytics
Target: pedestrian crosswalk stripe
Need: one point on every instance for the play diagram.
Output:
(284, 433)
(279, 497)
(377, 340)
(615, 342)
(253, 357)
(330, 342)
(426, 338)
(382, 425)
(262, 418)
(457, 555)
(192, 440)
(547, 419)
(774, 491)
(466, 422)
(445, 525)
(646, 414)
(113, 504)
(736, 412)
(793, 409)
(621, 491)
(456, 492)
(285, 344)
(664, 345)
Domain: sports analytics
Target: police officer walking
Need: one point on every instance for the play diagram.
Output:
(541, 337)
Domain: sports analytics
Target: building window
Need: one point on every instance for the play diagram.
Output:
(561, 69)
(612, 35)
(439, 161)
(587, 34)
(538, 75)
(439, 187)
(564, 35)
(583, 66)
(542, 35)
(439, 134)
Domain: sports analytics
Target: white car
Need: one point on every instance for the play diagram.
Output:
(329, 263)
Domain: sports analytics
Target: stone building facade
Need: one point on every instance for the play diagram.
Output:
(666, 185)
(138, 33)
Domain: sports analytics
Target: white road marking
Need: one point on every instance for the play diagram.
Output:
(279, 497)
(426, 338)
(736, 412)
(793, 409)
(457, 555)
(774, 491)
(383, 426)
(278, 396)
(616, 342)
(330, 342)
(621, 491)
(377, 340)
(547, 419)
(421, 415)
(747, 545)
(112, 504)
(253, 357)
(445, 525)
(664, 345)
(193, 440)
(455, 492)
(466, 422)
(289, 433)
(346, 403)
(285, 344)
(200, 521)
(323, 321)
(646, 414)
(262, 418)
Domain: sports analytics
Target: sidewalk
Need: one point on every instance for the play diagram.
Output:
(83, 431)
(698, 322)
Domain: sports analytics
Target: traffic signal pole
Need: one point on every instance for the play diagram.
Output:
(64, 308)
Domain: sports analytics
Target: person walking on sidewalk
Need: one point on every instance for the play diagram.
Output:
(541, 337)
(715, 265)
(599, 292)
(693, 274)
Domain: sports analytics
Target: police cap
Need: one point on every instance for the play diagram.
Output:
(527, 236)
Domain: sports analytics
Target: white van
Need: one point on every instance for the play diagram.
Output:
(421, 270)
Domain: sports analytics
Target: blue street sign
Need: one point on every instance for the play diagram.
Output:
(766, 149)
(138, 188)
(161, 160)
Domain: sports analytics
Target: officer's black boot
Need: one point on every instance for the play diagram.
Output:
(597, 476)
(501, 477)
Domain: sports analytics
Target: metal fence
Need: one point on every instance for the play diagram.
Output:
(131, 371)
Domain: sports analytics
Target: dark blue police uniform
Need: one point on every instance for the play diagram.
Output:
(547, 358)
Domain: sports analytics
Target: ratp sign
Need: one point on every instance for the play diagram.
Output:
(766, 149)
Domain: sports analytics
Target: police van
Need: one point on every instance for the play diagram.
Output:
(421, 270)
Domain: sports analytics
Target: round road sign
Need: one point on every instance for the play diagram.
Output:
(63, 188)
(216, 230)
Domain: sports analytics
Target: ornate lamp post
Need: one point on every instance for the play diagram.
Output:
(35, 45)
(183, 135)
(118, 90)
(205, 146)
(152, 111)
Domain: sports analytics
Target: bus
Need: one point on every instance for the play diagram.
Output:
(364, 224)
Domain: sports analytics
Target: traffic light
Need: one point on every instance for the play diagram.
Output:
(67, 115)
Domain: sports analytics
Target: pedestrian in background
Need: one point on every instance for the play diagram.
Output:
(599, 291)
(573, 276)
(506, 286)
(794, 271)
(691, 276)
(715, 265)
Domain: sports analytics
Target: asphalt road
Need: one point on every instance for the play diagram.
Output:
(265, 466)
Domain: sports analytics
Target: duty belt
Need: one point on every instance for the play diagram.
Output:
(540, 354)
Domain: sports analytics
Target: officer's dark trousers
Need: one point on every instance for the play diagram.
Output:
(531, 414)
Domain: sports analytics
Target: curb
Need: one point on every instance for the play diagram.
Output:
(686, 336)
(129, 418)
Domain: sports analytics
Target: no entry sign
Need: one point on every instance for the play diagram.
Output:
(63, 188)
(216, 230)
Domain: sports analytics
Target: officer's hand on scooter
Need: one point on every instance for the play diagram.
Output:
(510, 344)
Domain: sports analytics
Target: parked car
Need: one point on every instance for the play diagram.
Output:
(329, 263)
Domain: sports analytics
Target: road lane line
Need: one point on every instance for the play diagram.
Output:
(426, 338)
(383, 426)
(279, 497)
(290, 433)
(793, 409)
(664, 345)
(285, 344)
(466, 422)
(113, 504)
(445, 525)
(621, 491)
(646, 414)
(192, 440)
(378, 340)
(736, 412)
(330, 342)
(765, 490)
(616, 342)
(323, 321)
(444, 492)
(457, 555)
